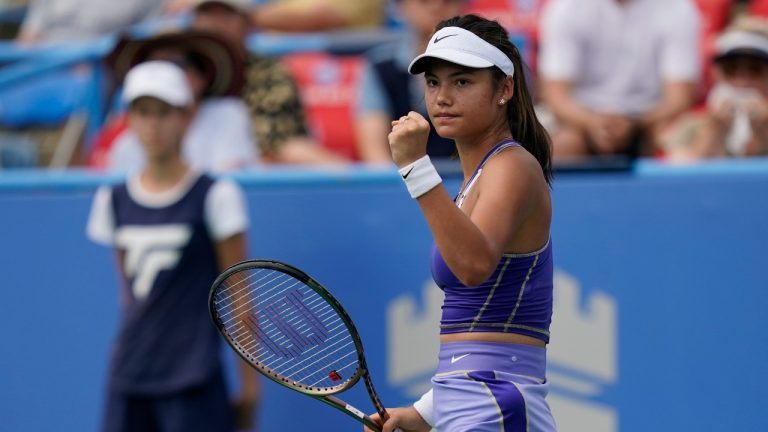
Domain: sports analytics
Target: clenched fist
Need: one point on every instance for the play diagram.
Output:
(408, 139)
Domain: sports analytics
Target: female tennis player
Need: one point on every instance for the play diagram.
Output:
(492, 254)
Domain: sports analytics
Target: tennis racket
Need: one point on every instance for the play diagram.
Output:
(292, 330)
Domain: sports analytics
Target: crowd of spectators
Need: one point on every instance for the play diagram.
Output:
(679, 80)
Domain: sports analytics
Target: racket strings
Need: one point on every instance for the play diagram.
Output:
(251, 345)
(284, 325)
(245, 331)
(245, 307)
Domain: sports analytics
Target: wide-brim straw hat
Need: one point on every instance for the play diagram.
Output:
(222, 64)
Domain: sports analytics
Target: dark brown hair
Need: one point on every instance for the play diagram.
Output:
(521, 117)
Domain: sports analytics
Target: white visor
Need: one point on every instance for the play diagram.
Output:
(741, 42)
(462, 47)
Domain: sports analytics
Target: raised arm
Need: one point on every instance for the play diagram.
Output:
(502, 203)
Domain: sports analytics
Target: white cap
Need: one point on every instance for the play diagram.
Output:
(242, 6)
(159, 79)
(741, 42)
(462, 47)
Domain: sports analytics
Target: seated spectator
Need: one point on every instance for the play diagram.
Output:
(387, 91)
(735, 119)
(270, 92)
(220, 137)
(614, 73)
(71, 20)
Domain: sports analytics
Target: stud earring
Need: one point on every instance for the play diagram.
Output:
(502, 101)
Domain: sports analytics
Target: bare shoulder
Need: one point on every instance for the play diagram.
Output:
(513, 181)
(514, 198)
(515, 164)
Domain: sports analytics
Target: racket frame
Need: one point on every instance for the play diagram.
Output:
(323, 394)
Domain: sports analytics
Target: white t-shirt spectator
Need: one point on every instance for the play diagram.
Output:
(619, 55)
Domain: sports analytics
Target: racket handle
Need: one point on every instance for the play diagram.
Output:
(350, 411)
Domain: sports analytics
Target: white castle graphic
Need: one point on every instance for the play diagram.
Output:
(582, 355)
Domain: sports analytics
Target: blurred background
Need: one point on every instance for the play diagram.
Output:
(658, 226)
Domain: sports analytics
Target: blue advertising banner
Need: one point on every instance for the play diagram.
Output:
(659, 296)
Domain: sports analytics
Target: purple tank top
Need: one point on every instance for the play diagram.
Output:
(516, 298)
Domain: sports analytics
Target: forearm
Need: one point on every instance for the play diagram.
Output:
(249, 382)
(231, 251)
(761, 139)
(757, 146)
(558, 98)
(678, 98)
(464, 248)
(425, 408)
(758, 118)
(279, 18)
(709, 141)
(303, 150)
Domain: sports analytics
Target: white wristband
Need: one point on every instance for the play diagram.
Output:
(420, 176)
(423, 406)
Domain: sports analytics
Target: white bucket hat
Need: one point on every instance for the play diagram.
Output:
(462, 47)
(158, 79)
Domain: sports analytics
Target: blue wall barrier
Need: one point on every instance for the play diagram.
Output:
(660, 294)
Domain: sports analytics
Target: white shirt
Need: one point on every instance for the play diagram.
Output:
(225, 207)
(220, 138)
(619, 55)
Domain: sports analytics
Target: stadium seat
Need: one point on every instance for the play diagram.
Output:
(715, 14)
(758, 8)
(328, 87)
(45, 100)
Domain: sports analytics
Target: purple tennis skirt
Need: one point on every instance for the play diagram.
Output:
(491, 386)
